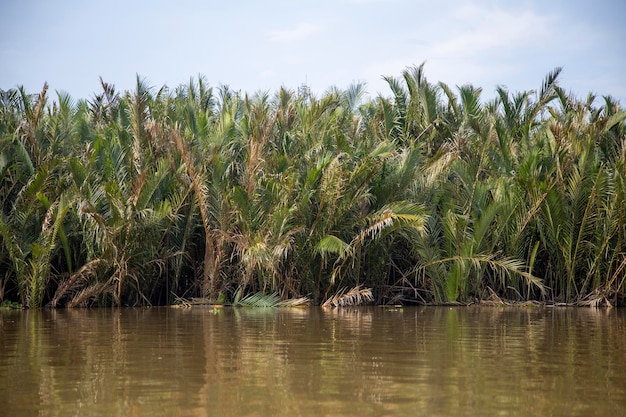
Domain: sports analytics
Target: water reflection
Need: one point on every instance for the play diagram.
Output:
(360, 361)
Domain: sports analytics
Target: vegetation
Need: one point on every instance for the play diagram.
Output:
(429, 195)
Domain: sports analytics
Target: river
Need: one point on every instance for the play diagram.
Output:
(374, 361)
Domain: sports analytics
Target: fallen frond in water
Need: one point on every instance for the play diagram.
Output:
(354, 297)
(597, 298)
(294, 302)
(268, 300)
(181, 302)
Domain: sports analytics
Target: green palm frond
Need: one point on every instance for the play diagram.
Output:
(268, 300)
(395, 215)
(330, 245)
(392, 217)
(154, 188)
(503, 266)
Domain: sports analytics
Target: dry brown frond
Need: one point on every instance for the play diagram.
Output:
(494, 298)
(137, 186)
(49, 219)
(82, 275)
(98, 289)
(181, 302)
(354, 297)
(598, 298)
(295, 302)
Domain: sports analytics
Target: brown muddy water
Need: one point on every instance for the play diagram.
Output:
(433, 361)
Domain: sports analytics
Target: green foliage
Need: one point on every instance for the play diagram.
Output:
(10, 305)
(432, 194)
(267, 300)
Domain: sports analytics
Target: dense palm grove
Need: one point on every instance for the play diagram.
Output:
(431, 194)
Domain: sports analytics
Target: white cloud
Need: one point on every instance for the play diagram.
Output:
(478, 30)
(300, 32)
(475, 44)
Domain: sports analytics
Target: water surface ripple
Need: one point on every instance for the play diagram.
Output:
(432, 361)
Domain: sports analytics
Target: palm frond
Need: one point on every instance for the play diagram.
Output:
(330, 244)
(82, 275)
(505, 266)
(89, 294)
(350, 297)
(268, 300)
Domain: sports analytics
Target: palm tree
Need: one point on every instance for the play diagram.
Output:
(432, 194)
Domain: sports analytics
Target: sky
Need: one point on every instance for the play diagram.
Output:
(262, 45)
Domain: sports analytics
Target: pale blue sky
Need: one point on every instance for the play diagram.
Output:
(261, 45)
